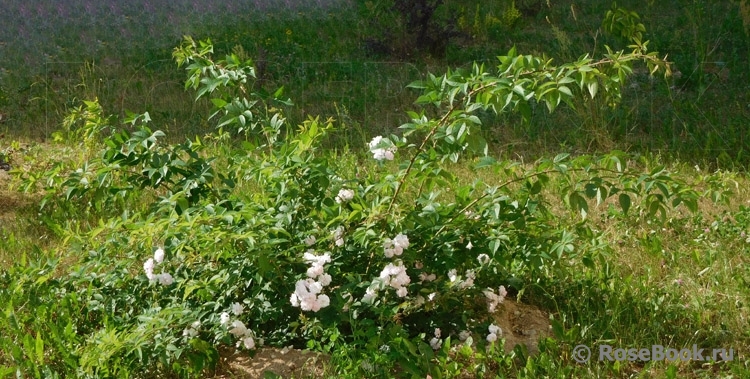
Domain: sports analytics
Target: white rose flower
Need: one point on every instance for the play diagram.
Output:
(238, 329)
(237, 309)
(494, 329)
(344, 195)
(249, 343)
(224, 318)
(491, 338)
(148, 267)
(325, 279)
(159, 255)
(310, 240)
(165, 279)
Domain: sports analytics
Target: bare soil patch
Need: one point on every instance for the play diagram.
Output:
(286, 363)
(522, 324)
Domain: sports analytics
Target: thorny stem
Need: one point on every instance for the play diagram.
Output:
(432, 132)
(445, 117)
(443, 120)
(411, 164)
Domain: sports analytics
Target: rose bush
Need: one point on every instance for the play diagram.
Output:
(259, 238)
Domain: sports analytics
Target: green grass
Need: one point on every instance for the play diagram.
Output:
(322, 58)
(681, 283)
(676, 284)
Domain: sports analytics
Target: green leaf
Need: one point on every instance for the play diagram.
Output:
(279, 92)
(410, 346)
(476, 144)
(565, 90)
(653, 208)
(182, 205)
(624, 202)
(657, 170)
(426, 351)
(591, 190)
(691, 204)
(494, 245)
(593, 88)
(417, 85)
(486, 161)
(461, 132)
(39, 347)
(663, 188)
(536, 188)
(219, 103)
(676, 202)
(561, 157)
(578, 203)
